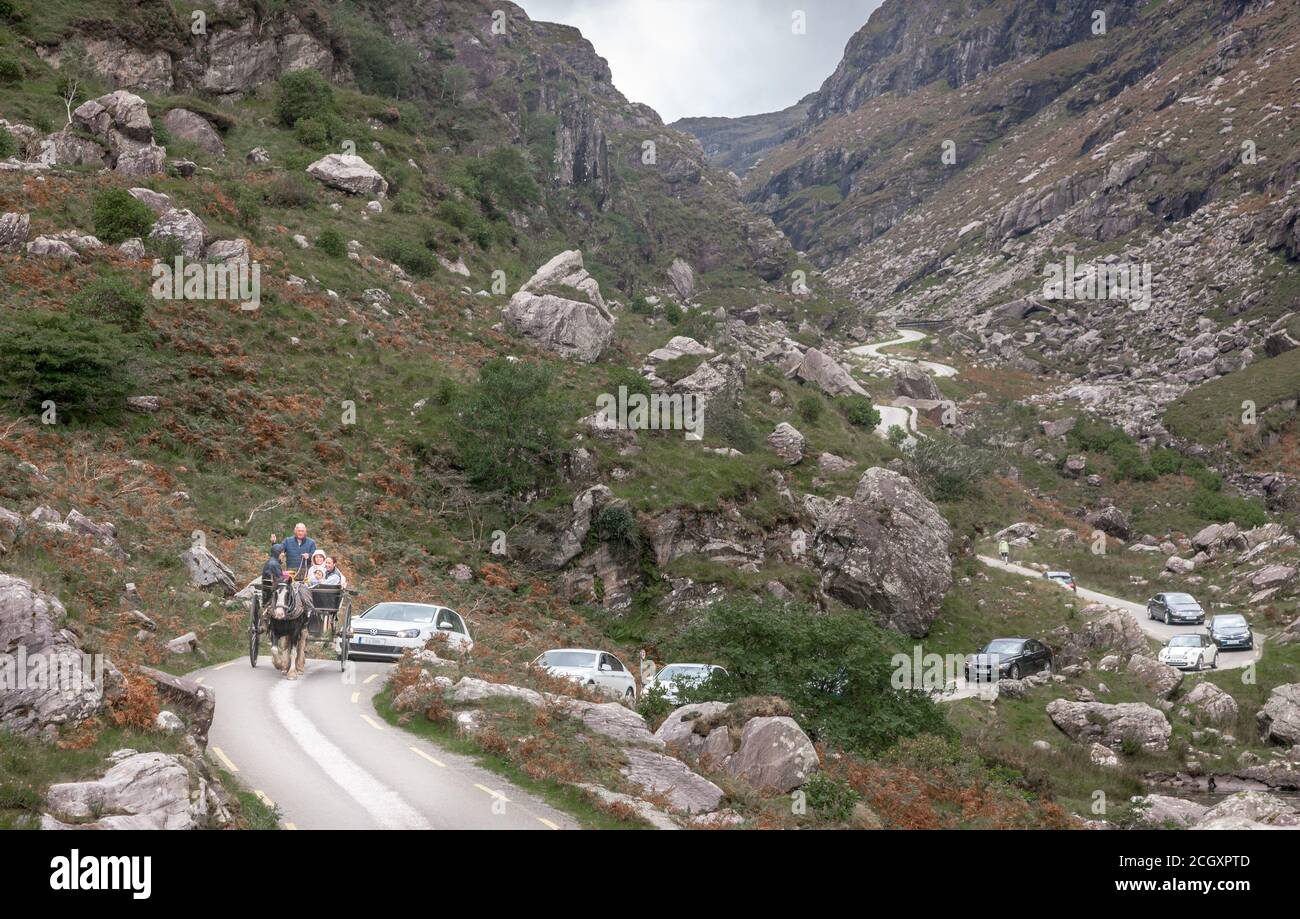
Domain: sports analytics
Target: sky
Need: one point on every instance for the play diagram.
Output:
(713, 57)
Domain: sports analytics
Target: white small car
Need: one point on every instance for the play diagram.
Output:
(675, 677)
(597, 670)
(1190, 652)
(388, 630)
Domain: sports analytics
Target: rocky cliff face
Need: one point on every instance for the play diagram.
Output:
(962, 149)
(738, 144)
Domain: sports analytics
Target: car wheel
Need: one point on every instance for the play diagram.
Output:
(1014, 672)
(630, 696)
(1214, 661)
(1169, 620)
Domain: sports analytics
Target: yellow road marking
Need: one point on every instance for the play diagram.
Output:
(495, 794)
(290, 826)
(199, 681)
(547, 823)
(355, 697)
(225, 760)
(227, 664)
(371, 678)
(372, 722)
(261, 796)
(421, 753)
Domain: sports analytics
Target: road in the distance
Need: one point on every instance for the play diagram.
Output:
(316, 749)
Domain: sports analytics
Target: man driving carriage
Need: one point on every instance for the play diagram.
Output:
(300, 602)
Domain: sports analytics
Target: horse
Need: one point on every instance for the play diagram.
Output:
(287, 627)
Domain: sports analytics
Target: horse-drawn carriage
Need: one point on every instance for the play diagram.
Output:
(292, 615)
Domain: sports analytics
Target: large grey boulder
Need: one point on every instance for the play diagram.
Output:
(885, 550)
(348, 173)
(190, 126)
(682, 276)
(120, 121)
(11, 527)
(1279, 719)
(570, 328)
(679, 734)
(658, 774)
(1163, 811)
(1211, 704)
(208, 571)
(1112, 521)
(571, 541)
(566, 270)
(610, 719)
(1161, 679)
(914, 383)
(822, 371)
(1256, 806)
(471, 690)
(67, 148)
(678, 346)
(774, 755)
(144, 791)
(184, 226)
(13, 231)
(30, 632)
(787, 443)
(1097, 722)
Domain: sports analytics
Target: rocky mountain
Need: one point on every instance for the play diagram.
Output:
(736, 144)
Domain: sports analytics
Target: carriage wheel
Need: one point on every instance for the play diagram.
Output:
(345, 612)
(255, 629)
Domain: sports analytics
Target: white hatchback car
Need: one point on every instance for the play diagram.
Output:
(388, 630)
(673, 678)
(1190, 652)
(597, 670)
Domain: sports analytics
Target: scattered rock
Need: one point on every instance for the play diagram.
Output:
(1112, 725)
(350, 174)
(787, 443)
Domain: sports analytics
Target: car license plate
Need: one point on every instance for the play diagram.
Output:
(368, 640)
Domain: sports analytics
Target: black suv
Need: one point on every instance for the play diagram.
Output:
(1176, 609)
(1014, 658)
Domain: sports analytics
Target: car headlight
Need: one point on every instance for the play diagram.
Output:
(409, 633)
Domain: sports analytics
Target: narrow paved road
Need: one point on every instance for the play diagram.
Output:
(1228, 660)
(894, 416)
(316, 749)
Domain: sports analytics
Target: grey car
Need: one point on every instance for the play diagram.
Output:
(1231, 632)
(1176, 609)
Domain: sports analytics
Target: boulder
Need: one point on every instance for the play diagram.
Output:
(1112, 725)
(1112, 521)
(230, 250)
(144, 791)
(190, 126)
(787, 443)
(13, 231)
(913, 382)
(183, 225)
(572, 329)
(1102, 755)
(348, 173)
(120, 120)
(774, 756)
(820, 370)
(1279, 719)
(1075, 466)
(885, 550)
(682, 277)
(1211, 704)
(567, 270)
(1256, 806)
(471, 690)
(208, 571)
(1181, 566)
(1162, 811)
(1273, 576)
(157, 201)
(610, 719)
(30, 633)
(11, 527)
(1059, 427)
(1161, 679)
(48, 247)
(658, 774)
(573, 538)
(198, 701)
(678, 346)
(678, 732)
(68, 148)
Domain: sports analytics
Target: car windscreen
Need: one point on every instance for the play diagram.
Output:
(1185, 641)
(401, 612)
(1230, 622)
(1182, 600)
(567, 659)
(683, 672)
(1003, 646)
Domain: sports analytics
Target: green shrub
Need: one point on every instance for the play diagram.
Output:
(860, 412)
(1220, 508)
(8, 145)
(835, 670)
(629, 378)
(810, 408)
(313, 133)
(11, 71)
(1130, 463)
(331, 242)
(78, 363)
(114, 299)
(1166, 462)
(727, 423)
(640, 307)
(896, 435)
(118, 216)
(10, 12)
(679, 368)
(946, 469)
(508, 436)
(459, 214)
(502, 180)
(410, 254)
(248, 206)
(303, 94)
(616, 525)
(830, 800)
(673, 313)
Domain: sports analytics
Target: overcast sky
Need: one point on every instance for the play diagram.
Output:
(713, 57)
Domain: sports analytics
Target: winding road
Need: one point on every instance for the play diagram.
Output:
(316, 749)
(892, 415)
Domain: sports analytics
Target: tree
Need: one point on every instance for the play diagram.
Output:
(303, 94)
(74, 72)
(508, 438)
(78, 363)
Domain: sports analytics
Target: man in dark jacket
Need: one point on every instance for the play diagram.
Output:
(272, 572)
(298, 549)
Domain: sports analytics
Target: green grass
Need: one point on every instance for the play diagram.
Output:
(1212, 413)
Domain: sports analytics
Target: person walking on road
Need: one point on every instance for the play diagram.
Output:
(1004, 550)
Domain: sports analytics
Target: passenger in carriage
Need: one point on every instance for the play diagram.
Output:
(272, 571)
(317, 569)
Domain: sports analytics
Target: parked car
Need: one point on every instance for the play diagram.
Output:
(1176, 609)
(1190, 652)
(675, 677)
(597, 670)
(388, 630)
(1064, 578)
(1013, 658)
(1231, 631)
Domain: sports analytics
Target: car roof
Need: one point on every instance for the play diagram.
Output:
(1231, 616)
(680, 664)
(1052, 574)
(991, 640)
